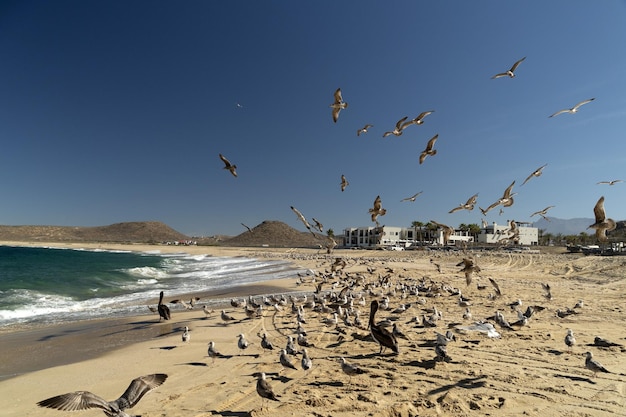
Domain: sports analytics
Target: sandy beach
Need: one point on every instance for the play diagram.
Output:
(526, 371)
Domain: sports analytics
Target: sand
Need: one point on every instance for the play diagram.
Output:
(527, 371)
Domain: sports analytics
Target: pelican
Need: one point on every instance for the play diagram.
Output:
(573, 109)
(398, 130)
(364, 129)
(382, 336)
(227, 165)
(344, 182)
(429, 148)
(164, 311)
(469, 204)
(510, 73)
(412, 198)
(338, 105)
(535, 173)
(602, 224)
(83, 400)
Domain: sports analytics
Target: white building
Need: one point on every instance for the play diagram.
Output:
(388, 236)
(502, 233)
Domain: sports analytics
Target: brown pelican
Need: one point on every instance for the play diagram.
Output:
(602, 224)
(382, 336)
(573, 109)
(338, 105)
(164, 311)
(429, 151)
(535, 173)
(510, 73)
(83, 400)
(232, 168)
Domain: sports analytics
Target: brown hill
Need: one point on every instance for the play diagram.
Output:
(128, 232)
(273, 234)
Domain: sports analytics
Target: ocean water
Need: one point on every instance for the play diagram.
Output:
(51, 285)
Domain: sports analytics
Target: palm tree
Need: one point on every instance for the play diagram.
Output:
(474, 230)
(417, 226)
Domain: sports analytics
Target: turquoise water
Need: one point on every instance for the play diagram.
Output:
(59, 285)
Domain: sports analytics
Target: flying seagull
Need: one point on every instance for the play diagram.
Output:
(303, 219)
(364, 129)
(510, 73)
(602, 224)
(249, 230)
(319, 226)
(506, 200)
(344, 182)
(447, 231)
(535, 173)
(83, 400)
(429, 148)
(542, 213)
(612, 182)
(573, 109)
(418, 120)
(412, 198)
(232, 168)
(377, 210)
(469, 204)
(398, 130)
(338, 105)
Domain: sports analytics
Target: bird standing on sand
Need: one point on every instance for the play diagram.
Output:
(602, 224)
(511, 72)
(242, 343)
(212, 352)
(285, 361)
(225, 317)
(164, 311)
(570, 340)
(364, 129)
(186, 336)
(265, 343)
(264, 389)
(338, 105)
(594, 365)
(344, 183)
(535, 173)
(306, 360)
(227, 165)
(429, 151)
(382, 336)
(83, 400)
(398, 130)
(573, 109)
(350, 369)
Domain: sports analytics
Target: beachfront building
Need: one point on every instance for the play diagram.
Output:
(398, 237)
(496, 233)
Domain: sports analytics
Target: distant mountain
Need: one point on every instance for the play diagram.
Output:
(274, 234)
(565, 226)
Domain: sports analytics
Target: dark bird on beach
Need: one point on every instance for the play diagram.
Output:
(429, 151)
(164, 311)
(593, 365)
(83, 400)
(382, 336)
(227, 165)
(570, 340)
(511, 72)
(265, 343)
(602, 224)
(264, 389)
(338, 105)
(573, 109)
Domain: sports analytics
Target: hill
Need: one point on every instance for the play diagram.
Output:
(127, 232)
(273, 234)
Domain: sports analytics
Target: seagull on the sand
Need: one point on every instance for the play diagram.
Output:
(350, 369)
(612, 182)
(398, 130)
(602, 224)
(186, 335)
(506, 200)
(510, 73)
(226, 317)
(594, 365)
(418, 120)
(364, 129)
(377, 210)
(429, 151)
(338, 105)
(264, 389)
(535, 173)
(542, 213)
(242, 343)
(344, 182)
(306, 360)
(570, 340)
(573, 109)
(227, 165)
(83, 400)
(212, 352)
(469, 204)
(285, 361)
(412, 198)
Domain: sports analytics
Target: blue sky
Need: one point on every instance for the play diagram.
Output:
(116, 111)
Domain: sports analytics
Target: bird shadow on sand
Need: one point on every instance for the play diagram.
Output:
(194, 364)
(165, 347)
(326, 384)
(425, 364)
(555, 352)
(230, 413)
(575, 378)
(467, 383)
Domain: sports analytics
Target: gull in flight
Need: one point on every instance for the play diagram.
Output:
(542, 213)
(412, 198)
(510, 73)
(232, 168)
(613, 182)
(377, 210)
(429, 148)
(506, 200)
(535, 173)
(398, 130)
(418, 120)
(364, 129)
(573, 109)
(469, 204)
(602, 224)
(319, 226)
(447, 231)
(344, 183)
(83, 400)
(302, 219)
(338, 105)
(247, 227)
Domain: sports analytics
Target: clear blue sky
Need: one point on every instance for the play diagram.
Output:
(115, 111)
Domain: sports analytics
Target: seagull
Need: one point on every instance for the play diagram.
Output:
(602, 224)
(381, 335)
(226, 317)
(186, 336)
(212, 352)
(506, 200)
(189, 305)
(613, 182)
(535, 173)
(232, 168)
(363, 129)
(412, 198)
(377, 210)
(338, 105)
(398, 130)
(242, 343)
(570, 340)
(344, 182)
(469, 267)
(285, 361)
(247, 227)
(447, 231)
(542, 213)
(83, 400)
(164, 311)
(306, 360)
(510, 73)
(302, 219)
(350, 369)
(418, 120)
(573, 109)
(429, 148)
(319, 226)
(469, 204)
(548, 290)
(264, 389)
(594, 365)
(265, 343)
(496, 287)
